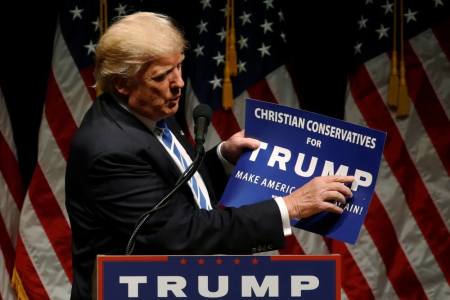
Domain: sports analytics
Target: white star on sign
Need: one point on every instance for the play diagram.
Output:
(76, 13)
(264, 50)
(243, 42)
(205, 3)
(202, 27)
(245, 18)
(268, 3)
(411, 16)
(241, 66)
(221, 34)
(219, 58)
(199, 50)
(437, 3)
(90, 47)
(362, 22)
(267, 26)
(96, 23)
(357, 48)
(216, 82)
(121, 10)
(382, 31)
(387, 7)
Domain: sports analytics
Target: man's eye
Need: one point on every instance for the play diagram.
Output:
(159, 78)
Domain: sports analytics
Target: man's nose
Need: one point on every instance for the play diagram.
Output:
(177, 80)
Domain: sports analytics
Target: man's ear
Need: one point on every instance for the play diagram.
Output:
(121, 86)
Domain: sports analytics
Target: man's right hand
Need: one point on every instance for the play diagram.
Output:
(318, 195)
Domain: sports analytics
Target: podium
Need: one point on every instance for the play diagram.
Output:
(219, 277)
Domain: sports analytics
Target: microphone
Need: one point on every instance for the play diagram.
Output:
(202, 114)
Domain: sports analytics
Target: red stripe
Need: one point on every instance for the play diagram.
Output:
(354, 283)
(7, 247)
(87, 74)
(428, 107)
(59, 117)
(52, 219)
(10, 170)
(399, 271)
(291, 246)
(225, 123)
(441, 32)
(28, 275)
(419, 200)
(261, 91)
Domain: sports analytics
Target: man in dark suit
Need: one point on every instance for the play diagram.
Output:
(120, 166)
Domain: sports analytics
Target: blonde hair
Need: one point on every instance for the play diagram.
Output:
(132, 42)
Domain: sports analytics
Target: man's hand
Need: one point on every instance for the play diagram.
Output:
(317, 196)
(233, 147)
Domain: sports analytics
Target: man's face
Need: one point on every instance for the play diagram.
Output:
(156, 93)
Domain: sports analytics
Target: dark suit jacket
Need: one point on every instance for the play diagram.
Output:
(118, 170)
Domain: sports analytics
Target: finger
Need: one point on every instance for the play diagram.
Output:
(341, 188)
(334, 196)
(251, 143)
(332, 208)
(343, 179)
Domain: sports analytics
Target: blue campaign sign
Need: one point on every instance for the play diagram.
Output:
(297, 146)
(219, 277)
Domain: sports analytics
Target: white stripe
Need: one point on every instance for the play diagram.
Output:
(53, 165)
(280, 84)
(42, 254)
(239, 108)
(367, 257)
(9, 211)
(6, 292)
(212, 137)
(5, 125)
(69, 79)
(435, 64)
(416, 140)
(408, 234)
(312, 243)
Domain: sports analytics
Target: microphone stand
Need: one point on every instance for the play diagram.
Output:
(187, 174)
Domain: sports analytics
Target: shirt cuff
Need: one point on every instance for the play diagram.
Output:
(284, 216)
(225, 163)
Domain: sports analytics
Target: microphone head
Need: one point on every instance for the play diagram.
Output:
(202, 110)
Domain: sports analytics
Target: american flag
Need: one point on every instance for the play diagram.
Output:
(11, 199)
(261, 49)
(403, 249)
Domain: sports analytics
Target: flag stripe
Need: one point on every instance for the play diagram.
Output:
(74, 85)
(441, 33)
(29, 278)
(393, 199)
(7, 247)
(428, 51)
(414, 136)
(400, 272)
(59, 118)
(225, 123)
(10, 170)
(396, 154)
(41, 253)
(51, 218)
(291, 246)
(358, 287)
(428, 106)
(261, 91)
(366, 256)
(280, 84)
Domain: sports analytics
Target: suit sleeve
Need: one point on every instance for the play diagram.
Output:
(122, 187)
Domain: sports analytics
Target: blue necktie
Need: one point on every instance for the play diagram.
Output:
(169, 141)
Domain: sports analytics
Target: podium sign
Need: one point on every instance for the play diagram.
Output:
(219, 277)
